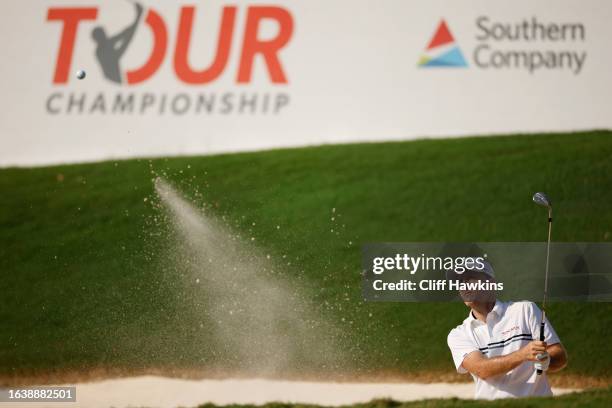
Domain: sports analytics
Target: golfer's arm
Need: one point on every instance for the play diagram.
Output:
(484, 367)
(558, 357)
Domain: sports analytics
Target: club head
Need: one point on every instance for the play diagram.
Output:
(542, 199)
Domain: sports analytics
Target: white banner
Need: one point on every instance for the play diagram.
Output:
(201, 77)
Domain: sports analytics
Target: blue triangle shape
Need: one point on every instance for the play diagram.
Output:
(452, 58)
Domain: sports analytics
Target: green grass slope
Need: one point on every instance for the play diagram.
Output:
(84, 281)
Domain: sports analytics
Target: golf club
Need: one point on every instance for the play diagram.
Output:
(543, 200)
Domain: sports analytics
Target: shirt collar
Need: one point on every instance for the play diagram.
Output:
(471, 319)
(499, 309)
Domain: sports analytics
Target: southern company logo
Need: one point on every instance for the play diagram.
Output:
(529, 44)
(442, 50)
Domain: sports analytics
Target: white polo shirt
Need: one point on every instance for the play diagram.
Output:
(509, 326)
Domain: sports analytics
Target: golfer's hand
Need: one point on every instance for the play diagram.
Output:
(530, 351)
(543, 363)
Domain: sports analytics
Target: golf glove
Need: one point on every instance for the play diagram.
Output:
(543, 363)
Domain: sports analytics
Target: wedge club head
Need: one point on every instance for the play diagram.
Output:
(542, 199)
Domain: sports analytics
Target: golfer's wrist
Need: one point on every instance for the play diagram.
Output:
(522, 354)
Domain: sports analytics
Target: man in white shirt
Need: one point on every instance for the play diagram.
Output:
(498, 344)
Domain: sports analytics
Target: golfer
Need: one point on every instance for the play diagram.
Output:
(497, 344)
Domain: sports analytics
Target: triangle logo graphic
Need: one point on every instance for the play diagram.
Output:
(442, 50)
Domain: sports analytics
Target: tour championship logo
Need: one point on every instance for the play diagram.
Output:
(529, 44)
(442, 50)
(109, 48)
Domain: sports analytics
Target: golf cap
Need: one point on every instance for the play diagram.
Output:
(486, 269)
(474, 272)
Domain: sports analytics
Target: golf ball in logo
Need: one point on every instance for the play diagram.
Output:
(80, 74)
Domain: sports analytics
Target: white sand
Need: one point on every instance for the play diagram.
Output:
(151, 391)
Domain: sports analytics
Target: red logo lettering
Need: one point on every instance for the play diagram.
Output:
(181, 66)
(71, 17)
(109, 50)
(160, 43)
(268, 49)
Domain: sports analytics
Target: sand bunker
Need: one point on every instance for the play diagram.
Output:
(151, 391)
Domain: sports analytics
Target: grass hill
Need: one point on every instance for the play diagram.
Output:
(84, 283)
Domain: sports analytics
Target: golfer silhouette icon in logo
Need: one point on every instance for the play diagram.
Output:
(109, 50)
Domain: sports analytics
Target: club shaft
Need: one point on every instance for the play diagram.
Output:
(545, 280)
(547, 260)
